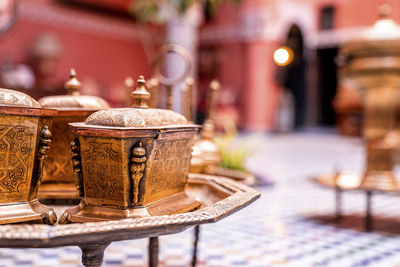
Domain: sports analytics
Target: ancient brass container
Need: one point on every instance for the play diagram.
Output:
(131, 162)
(24, 144)
(206, 155)
(371, 63)
(59, 177)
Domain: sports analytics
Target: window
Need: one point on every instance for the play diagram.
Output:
(327, 18)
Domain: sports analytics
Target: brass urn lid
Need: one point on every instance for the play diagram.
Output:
(139, 115)
(73, 100)
(14, 98)
(382, 39)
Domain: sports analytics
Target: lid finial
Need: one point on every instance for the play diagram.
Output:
(140, 95)
(214, 88)
(72, 85)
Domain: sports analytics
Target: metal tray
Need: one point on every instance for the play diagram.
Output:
(219, 196)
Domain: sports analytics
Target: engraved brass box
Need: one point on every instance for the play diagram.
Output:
(131, 162)
(24, 143)
(59, 177)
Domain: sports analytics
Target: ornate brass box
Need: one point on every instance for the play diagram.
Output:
(131, 162)
(24, 143)
(59, 177)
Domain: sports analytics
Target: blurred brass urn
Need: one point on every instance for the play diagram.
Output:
(24, 144)
(131, 162)
(371, 63)
(59, 177)
(206, 156)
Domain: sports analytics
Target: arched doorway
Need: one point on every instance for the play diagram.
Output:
(295, 80)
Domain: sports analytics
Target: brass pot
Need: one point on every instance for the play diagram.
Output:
(24, 144)
(371, 63)
(131, 162)
(59, 177)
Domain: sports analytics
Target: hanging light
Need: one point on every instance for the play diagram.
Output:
(283, 56)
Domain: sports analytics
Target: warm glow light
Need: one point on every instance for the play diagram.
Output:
(283, 56)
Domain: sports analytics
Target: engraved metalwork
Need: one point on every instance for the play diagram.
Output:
(24, 144)
(134, 162)
(220, 197)
(59, 178)
(44, 147)
(14, 98)
(140, 95)
(77, 166)
(138, 166)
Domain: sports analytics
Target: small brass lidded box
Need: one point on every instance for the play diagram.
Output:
(132, 162)
(24, 144)
(59, 177)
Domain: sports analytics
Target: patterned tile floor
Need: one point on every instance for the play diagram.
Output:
(275, 230)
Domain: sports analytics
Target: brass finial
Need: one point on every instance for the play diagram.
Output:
(72, 85)
(212, 101)
(187, 90)
(208, 126)
(140, 95)
(385, 11)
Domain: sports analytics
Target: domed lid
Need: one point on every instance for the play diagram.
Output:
(383, 38)
(137, 116)
(17, 99)
(73, 100)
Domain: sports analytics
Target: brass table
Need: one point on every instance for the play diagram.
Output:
(352, 182)
(219, 196)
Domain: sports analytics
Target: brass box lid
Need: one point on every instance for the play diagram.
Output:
(14, 102)
(139, 116)
(73, 100)
(135, 117)
(17, 99)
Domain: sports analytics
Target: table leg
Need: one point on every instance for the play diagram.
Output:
(195, 244)
(153, 252)
(338, 203)
(368, 212)
(93, 254)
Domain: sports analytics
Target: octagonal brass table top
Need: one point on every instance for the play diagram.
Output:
(219, 198)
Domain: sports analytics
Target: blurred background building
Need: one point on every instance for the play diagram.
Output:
(105, 43)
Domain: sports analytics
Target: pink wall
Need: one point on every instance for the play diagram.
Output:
(104, 55)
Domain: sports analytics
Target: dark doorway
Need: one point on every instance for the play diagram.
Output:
(327, 83)
(295, 74)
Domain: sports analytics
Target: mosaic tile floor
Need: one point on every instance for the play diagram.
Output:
(275, 230)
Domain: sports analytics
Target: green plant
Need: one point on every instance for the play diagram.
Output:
(233, 156)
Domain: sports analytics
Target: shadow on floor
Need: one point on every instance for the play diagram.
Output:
(386, 225)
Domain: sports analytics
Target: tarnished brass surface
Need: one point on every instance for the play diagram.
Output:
(59, 178)
(132, 162)
(371, 63)
(24, 144)
(219, 198)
